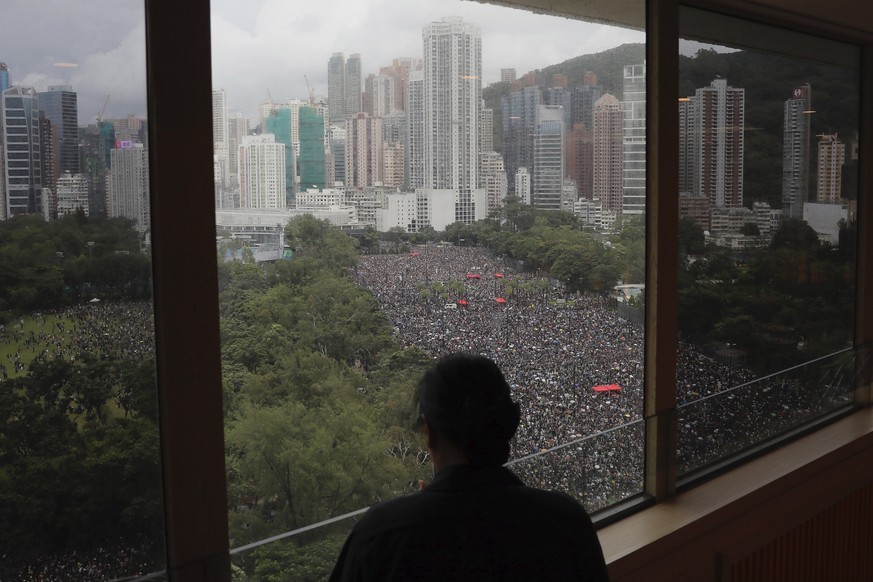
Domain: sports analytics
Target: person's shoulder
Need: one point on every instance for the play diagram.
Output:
(388, 515)
(554, 502)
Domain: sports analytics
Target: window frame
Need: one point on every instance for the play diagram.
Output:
(185, 271)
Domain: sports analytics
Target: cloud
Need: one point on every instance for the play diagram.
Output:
(119, 72)
(261, 45)
(279, 41)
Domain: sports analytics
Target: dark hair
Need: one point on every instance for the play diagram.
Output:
(466, 398)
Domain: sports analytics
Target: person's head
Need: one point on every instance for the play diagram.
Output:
(465, 399)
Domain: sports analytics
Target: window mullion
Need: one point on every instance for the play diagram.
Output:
(662, 139)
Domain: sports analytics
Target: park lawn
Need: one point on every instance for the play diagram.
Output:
(9, 346)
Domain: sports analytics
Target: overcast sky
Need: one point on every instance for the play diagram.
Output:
(261, 45)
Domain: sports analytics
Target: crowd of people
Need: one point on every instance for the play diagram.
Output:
(111, 330)
(119, 560)
(575, 366)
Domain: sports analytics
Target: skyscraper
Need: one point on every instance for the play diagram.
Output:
(831, 157)
(634, 140)
(607, 157)
(353, 85)
(507, 75)
(519, 117)
(220, 143)
(22, 162)
(548, 169)
(795, 152)
(129, 185)
(336, 87)
(344, 84)
(717, 130)
(452, 111)
(415, 156)
(60, 105)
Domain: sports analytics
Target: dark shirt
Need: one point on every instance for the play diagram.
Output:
(474, 524)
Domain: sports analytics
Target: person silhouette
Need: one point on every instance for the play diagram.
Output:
(476, 520)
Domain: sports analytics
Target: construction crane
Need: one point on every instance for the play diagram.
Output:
(272, 106)
(309, 89)
(102, 111)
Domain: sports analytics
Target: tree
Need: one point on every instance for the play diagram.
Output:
(691, 239)
(750, 229)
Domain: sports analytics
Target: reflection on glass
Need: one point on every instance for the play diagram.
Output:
(734, 420)
(768, 201)
(598, 470)
(490, 169)
(80, 481)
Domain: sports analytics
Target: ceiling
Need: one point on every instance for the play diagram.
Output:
(855, 15)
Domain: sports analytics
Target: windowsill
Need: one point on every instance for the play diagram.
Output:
(757, 500)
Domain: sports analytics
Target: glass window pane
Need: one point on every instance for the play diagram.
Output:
(768, 203)
(80, 475)
(467, 183)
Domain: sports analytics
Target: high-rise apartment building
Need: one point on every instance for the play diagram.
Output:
(129, 185)
(548, 169)
(394, 140)
(338, 152)
(579, 148)
(717, 134)
(496, 186)
(608, 154)
(831, 157)
(262, 168)
(399, 70)
(22, 160)
(364, 161)
(634, 140)
(507, 75)
(415, 156)
(393, 165)
(381, 93)
(344, 86)
(237, 129)
(453, 111)
(795, 152)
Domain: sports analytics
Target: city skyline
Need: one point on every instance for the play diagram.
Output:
(253, 50)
